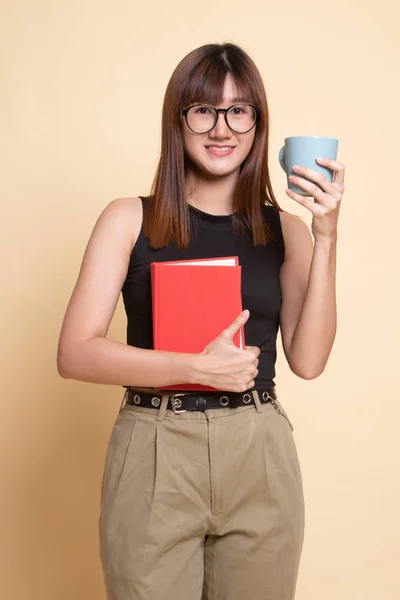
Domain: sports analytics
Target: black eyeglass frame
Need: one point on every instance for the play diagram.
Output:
(184, 112)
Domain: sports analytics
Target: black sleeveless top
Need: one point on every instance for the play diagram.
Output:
(212, 236)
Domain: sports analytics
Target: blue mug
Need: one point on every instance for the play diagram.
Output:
(303, 150)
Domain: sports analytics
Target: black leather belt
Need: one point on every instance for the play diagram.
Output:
(182, 402)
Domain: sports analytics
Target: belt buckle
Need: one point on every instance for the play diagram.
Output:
(176, 403)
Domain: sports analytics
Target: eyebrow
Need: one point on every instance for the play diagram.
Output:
(233, 101)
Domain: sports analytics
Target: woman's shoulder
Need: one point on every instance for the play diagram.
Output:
(130, 210)
(291, 222)
(128, 203)
(294, 229)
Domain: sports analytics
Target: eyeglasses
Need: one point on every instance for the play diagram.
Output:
(201, 118)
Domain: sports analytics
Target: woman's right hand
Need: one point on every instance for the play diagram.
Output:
(224, 366)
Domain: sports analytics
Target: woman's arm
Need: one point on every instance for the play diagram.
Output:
(308, 275)
(84, 353)
(102, 360)
(308, 314)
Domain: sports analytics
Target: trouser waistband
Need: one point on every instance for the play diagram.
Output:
(185, 401)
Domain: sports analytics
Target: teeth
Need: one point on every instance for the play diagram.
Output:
(219, 148)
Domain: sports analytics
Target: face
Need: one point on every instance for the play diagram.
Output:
(209, 164)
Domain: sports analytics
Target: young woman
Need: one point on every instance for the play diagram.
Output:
(202, 496)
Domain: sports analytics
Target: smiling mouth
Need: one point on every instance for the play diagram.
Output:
(220, 151)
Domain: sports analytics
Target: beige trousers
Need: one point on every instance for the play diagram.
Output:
(201, 505)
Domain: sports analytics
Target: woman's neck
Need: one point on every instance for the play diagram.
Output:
(214, 196)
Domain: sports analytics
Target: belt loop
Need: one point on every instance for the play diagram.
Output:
(163, 408)
(257, 402)
(123, 400)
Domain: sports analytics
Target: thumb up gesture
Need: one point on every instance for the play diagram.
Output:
(223, 365)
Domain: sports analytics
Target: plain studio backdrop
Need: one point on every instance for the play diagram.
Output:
(82, 85)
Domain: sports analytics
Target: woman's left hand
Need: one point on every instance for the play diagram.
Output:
(326, 205)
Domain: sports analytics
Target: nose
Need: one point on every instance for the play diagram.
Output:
(221, 128)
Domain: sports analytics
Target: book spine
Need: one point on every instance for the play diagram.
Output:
(154, 294)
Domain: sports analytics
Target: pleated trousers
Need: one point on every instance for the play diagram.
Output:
(201, 505)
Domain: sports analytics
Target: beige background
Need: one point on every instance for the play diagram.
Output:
(82, 84)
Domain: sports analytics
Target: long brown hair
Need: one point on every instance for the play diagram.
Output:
(200, 77)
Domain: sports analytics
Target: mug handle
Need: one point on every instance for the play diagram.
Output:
(282, 158)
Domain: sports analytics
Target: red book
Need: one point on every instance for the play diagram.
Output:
(192, 302)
